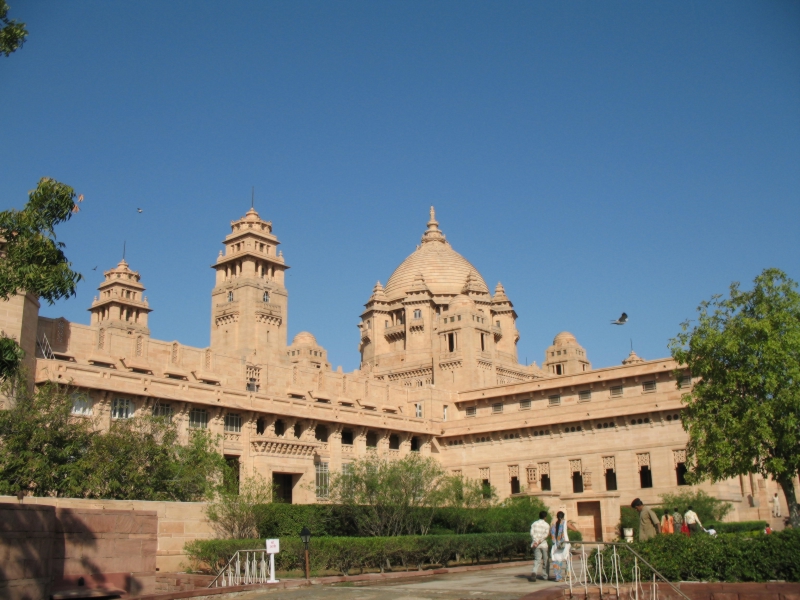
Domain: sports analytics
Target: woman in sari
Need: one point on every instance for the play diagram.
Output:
(667, 523)
(559, 553)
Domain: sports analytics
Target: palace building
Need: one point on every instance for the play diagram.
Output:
(439, 375)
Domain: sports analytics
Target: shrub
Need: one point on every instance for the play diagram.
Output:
(726, 557)
(708, 508)
(736, 526)
(343, 554)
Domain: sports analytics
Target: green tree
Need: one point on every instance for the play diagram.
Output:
(32, 260)
(47, 451)
(390, 497)
(42, 447)
(12, 34)
(234, 514)
(461, 498)
(743, 414)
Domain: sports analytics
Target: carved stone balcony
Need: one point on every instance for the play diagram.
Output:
(395, 332)
(498, 333)
(416, 325)
(283, 447)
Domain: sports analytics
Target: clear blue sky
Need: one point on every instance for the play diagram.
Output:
(595, 157)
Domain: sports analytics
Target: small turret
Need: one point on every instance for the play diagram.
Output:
(121, 303)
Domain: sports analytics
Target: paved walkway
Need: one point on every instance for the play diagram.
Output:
(508, 583)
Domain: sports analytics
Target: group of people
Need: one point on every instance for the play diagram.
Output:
(541, 532)
(650, 525)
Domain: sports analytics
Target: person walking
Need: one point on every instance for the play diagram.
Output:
(667, 523)
(649, 525)
(677, 520)
(776, 505)
(539, 531)
(692, 521)
(560, 551)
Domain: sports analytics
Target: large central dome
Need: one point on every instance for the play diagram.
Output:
(444, 270)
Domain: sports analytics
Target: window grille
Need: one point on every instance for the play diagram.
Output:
(121, 408)
(497, 407)
(418, 410)
(524, 404)
(609, 463)
(323, 479)
(163, 410)
(649, 386)
(554, 400)
(616, 391)
(472, 411)
(585, 395)
(686, 382)
(198, 418)
(233, 423)
(81, 405)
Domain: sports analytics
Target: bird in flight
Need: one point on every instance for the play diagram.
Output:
(621, 321)
(139, 210)
(94, 268)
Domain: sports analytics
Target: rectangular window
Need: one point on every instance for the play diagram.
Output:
(554, 400)
(444, 413)
(616, 391)
(686, 382)
(524, 404)
(198, 418)
(81, 404)
(472, 411)
(497, 407)
(163, 410)
(233, 423)
(646, 477)
(649, 386)
(611, 480)
(451, 342)
(545, 483)
(577, 482)
(122, 408)
(418, 410)
(322, 479)
(680, 473)
(347, 437)
(515, 485)
(585, 395)
(417, 314)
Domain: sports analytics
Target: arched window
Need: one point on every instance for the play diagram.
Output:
(266, 297)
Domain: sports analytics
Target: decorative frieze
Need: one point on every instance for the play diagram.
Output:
(283, 447)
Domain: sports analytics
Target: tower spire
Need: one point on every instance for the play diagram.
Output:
(433, 234)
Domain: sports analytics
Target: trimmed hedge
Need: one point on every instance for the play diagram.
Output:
(277, 520)
(343, 554)
(727, 557)
(736, 526)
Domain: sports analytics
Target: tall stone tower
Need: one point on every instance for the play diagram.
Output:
(249, 302)
(121, 304)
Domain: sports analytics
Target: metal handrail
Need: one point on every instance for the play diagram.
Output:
(638, 556)
(238, 575)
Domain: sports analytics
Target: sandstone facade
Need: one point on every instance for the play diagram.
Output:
(439, 375)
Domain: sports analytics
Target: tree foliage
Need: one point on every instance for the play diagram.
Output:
(12, 33)
(47, 451)
(234, 513)
(32, 260)
(743, 414)
(390, 497)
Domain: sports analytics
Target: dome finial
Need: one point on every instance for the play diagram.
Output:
(432, 234)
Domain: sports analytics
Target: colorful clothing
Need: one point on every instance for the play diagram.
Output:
(560, 552)
(667, 524)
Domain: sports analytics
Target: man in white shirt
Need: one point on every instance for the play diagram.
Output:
(776, 505)
(540, 530)
(692, 521)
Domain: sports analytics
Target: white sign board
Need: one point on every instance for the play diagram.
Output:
(273, 546)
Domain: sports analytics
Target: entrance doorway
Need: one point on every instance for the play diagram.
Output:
(591, 521)
(282, 488)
